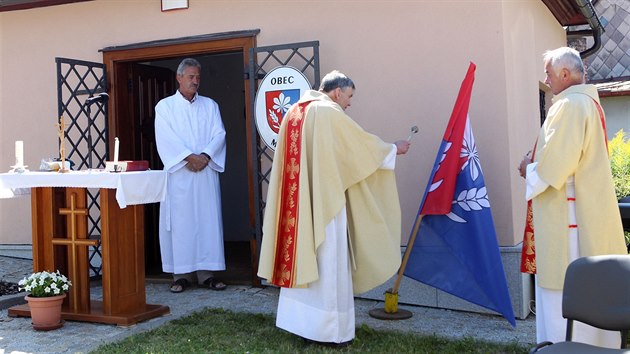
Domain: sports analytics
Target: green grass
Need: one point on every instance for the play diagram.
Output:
(220, 331)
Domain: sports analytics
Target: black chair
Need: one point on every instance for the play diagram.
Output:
(596, 292)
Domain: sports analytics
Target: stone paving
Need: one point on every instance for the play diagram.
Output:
(17, 335)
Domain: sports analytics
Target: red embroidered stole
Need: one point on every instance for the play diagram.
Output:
(528, 253)
(286, 238)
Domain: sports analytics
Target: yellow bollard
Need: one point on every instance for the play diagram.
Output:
(391, 302)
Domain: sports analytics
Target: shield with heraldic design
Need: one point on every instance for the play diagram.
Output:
(277, 103)
(281, 88)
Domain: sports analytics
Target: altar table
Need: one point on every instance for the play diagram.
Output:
(60, 209)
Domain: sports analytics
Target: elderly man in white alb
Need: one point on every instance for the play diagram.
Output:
(569, 182)
(191, 143)
(332, 219)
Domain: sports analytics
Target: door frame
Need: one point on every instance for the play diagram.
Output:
(116, 60)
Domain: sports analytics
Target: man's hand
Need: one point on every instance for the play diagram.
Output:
(402, 146)
(196, 162)
(522, 168)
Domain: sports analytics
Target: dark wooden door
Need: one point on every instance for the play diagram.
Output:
(119, 61)
(149, 84)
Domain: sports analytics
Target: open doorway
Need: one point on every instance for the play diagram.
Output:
(139, 78)
(221, 80)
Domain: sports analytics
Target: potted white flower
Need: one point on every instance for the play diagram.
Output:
(46, 294)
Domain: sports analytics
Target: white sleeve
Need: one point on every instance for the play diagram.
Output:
(390, 161)
(534, 185)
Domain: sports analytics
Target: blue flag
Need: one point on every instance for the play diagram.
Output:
(456, 249)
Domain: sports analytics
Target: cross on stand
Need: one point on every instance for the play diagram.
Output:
(77, 242)
(60, 217)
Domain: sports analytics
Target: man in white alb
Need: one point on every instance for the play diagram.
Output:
(190, 140)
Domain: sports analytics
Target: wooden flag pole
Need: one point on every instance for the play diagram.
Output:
(391, 311)
(403, 265)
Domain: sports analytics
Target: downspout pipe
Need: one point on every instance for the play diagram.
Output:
(596, 31)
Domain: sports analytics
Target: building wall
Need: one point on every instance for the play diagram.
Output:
(527, 34)
(618, 107)
(407, 59)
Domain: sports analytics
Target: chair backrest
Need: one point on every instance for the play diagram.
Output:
(597, 291)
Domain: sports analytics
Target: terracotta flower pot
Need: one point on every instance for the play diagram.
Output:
(46, 311)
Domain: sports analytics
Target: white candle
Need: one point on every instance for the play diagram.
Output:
(19, 153)
(115, 150)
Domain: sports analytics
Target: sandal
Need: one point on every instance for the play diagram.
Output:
(213, 284)
(179, 285)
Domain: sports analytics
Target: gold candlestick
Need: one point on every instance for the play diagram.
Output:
(61, 131)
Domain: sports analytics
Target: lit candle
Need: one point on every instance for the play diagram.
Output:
(116, 151)
(19, 153)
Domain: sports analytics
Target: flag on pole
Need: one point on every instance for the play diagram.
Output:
(456, 249)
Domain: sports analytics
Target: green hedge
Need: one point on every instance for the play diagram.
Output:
(619, 151)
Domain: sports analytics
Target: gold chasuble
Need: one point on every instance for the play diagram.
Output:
(572, 142)
(323, 162)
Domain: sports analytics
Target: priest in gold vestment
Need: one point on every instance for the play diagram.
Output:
(332, 219)
(569, 181)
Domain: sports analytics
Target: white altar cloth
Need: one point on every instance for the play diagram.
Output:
(132, 188)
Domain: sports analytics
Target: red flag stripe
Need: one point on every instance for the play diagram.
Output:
(439, 200)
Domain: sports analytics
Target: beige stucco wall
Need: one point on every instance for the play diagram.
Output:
(407, 58)
(527, 34)
(617, 114)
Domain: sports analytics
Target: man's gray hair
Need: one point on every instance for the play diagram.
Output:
(186, 63)
(565, 58)
(333, 80)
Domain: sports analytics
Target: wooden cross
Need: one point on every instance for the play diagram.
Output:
(75, 237)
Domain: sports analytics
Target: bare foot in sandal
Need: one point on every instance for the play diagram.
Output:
(179, 285)
(213, 284)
